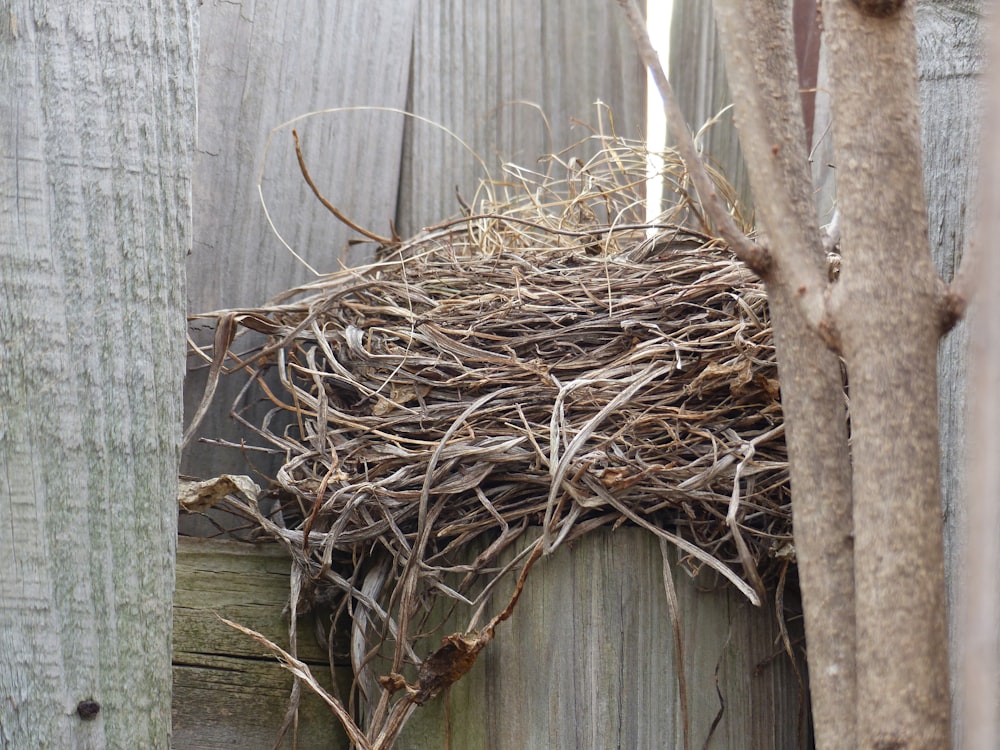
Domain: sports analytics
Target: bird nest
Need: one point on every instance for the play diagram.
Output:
(544, 361)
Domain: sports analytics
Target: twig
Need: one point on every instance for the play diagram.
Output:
(387, 241)
(753, 254)
(301, 670)
(762, 76)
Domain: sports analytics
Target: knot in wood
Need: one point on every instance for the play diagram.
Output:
(88, 709)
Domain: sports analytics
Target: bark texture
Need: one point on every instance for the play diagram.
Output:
(97, 130)
(764, 80)
(887, 309)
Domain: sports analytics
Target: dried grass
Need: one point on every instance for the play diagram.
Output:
(543, 360)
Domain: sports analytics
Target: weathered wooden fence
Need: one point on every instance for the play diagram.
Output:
(588, 660)
(97, 116)
(225, 694)
(951, 60)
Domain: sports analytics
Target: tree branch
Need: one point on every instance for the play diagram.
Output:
(888, 305)
(760, 65)
(754, 255)
(758, 41)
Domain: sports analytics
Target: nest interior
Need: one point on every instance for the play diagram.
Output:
(547, 359)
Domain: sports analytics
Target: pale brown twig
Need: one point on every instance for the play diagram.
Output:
(764, 83)
(753, 254)
(329, 206)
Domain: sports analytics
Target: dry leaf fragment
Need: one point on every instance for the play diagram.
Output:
(197, 497)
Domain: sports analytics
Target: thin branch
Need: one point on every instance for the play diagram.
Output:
(761, 69)
(758, 42)
(754, 255)
(329, 206)
(301, 671)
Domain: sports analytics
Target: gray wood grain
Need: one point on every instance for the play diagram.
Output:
(951, 61)
(97, 132)
(698, 76)
(587, 660)
(950, 66)
(228, 692)
(493, 73)
(262, 63)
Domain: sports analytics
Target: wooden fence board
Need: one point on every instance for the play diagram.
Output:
(698, 75)
(261, 63)
(479, 68)
(228, 692)
(97, 137)
(951, 59)
(587, 660)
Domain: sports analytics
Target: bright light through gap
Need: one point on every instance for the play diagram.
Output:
(658, 14)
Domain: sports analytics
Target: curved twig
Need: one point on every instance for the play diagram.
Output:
(329, 206)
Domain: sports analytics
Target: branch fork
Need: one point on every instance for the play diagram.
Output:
(884, 314)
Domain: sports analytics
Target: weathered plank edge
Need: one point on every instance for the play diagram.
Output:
(550, 679)
(228, 692)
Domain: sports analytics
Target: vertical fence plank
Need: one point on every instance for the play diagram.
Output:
(492, 73)
(950, 59)
(587, 660)
(698, 75)
(262, 63)
(97, 133)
